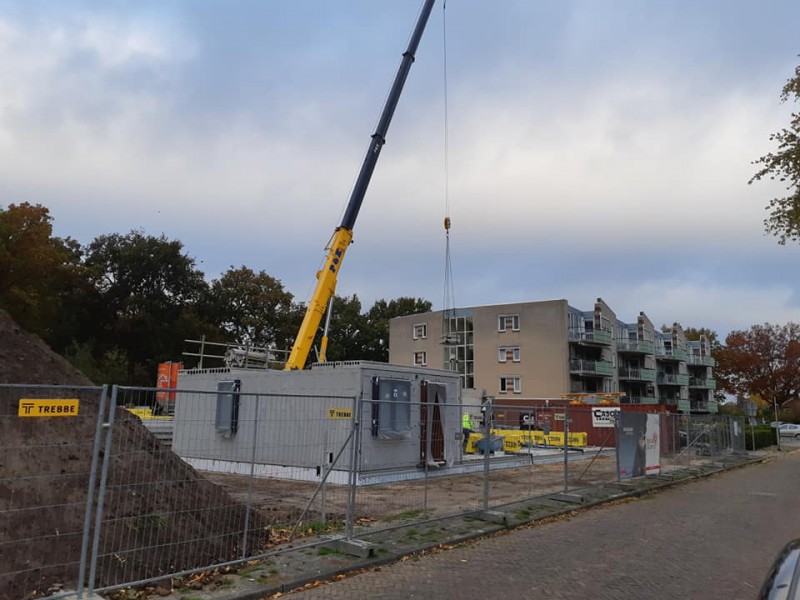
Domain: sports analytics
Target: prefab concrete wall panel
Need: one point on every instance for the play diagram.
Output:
(293, 416)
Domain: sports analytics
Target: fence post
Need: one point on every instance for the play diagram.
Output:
(87, 518)
(566, 456)
(428, 445)
(689, 433)
(487, 450)
(101, 494)
(325, 467)
(249, 501)
(355, 440)
(617, 428)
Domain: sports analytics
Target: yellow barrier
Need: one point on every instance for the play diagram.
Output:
(515, 439)
(472, 443)
(518, 438)
(146, 413)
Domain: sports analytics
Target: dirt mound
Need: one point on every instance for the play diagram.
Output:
(160, 515)
(25, 358)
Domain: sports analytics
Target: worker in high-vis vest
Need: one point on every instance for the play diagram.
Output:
(466, 429)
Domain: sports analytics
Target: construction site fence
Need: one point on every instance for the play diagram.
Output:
(245, 476)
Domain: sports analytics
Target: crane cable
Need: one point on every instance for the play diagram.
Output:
(448, 304)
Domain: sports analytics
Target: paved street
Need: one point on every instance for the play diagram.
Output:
(713, 538)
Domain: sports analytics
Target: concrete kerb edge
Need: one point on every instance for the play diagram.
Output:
(485, 532)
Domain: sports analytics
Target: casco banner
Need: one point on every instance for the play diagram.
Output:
(604, 416)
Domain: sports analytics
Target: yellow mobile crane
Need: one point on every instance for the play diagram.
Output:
(343, 235)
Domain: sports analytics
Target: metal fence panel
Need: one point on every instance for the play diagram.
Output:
(232, 487)
(47, 438)
(421, 474)
(167, 482)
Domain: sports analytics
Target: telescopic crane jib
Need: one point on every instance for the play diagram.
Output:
(343, 235)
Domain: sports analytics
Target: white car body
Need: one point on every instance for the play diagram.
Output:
(789, 430)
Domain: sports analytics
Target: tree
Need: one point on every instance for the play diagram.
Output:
(693, 334)
(253, 308)
(763, 361)
(149, 290)
(376, 346)
(784, 166)
(346, 337)
(355, 335)
(37, 270)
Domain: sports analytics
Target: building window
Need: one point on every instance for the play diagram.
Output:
(508, 354)
(420, 359)
(510, 384)
(506, 322)
(420, 331)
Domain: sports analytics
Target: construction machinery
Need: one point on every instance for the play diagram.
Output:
(343, 235)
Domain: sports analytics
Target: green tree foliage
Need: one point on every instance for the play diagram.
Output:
(37, 270)
(357, 335)
(784, 165)
(378, 317)
(149, 290)
(252, 308)
(763, 361)
(347, 334)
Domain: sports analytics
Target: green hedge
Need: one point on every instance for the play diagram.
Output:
(764, 436)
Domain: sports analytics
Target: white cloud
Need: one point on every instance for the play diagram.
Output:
(540, 163)
(720, 306)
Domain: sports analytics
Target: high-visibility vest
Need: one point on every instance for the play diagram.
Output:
(466, 421)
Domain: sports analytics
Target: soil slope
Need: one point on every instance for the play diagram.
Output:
(160, 515)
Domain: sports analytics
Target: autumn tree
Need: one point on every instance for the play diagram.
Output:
(37, 269)
(253, 308)
(150, 290)
(693, 334)
(763, 361)
(783, 165)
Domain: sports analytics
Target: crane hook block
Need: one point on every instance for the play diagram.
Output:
(447, 223)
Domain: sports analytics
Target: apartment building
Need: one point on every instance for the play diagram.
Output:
(548, 349)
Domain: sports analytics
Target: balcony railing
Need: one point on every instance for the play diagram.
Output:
(635, 346)
(711, 406)
(671, 354)
(598, 336)
(642, 400)
(591, 367)
(637, 374)
(696, 359)
(700, 382)
(672, 379)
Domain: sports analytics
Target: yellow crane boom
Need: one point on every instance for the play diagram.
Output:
(343, 235)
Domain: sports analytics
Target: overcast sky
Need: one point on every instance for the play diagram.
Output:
(596, 148)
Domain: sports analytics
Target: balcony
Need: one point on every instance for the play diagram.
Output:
(705, 384)
(704, 361)
(641, 400)
(599, 337)
(637, 374)
(709, 406)
(676, 354)
(672, 379)
(635, 346)
(592, 368)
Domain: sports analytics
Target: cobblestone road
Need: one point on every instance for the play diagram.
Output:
(714, 538)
